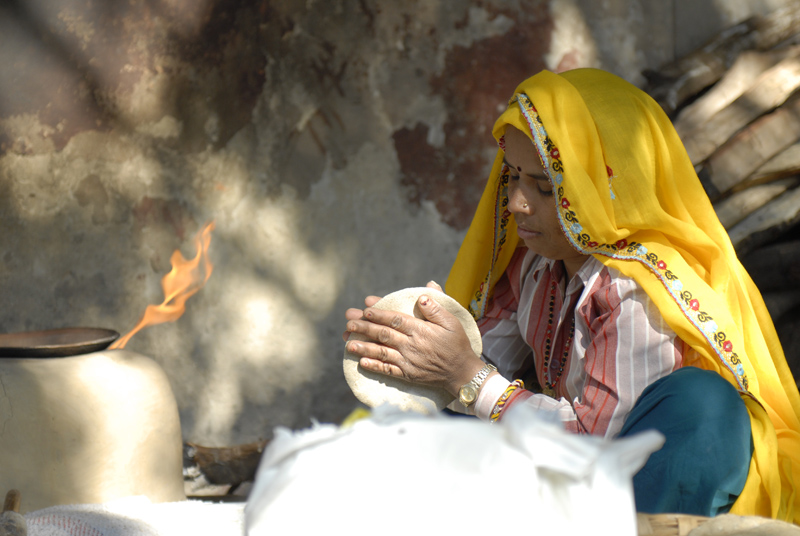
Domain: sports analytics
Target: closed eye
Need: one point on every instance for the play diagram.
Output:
(544, 187)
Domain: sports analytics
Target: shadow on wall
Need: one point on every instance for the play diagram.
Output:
(127, 125)
(77, 67)
(114, 117)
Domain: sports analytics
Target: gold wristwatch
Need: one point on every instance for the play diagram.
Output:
(468, 393)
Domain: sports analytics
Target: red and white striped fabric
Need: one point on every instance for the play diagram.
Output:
(621, 343)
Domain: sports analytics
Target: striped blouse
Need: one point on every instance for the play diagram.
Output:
(621, 344)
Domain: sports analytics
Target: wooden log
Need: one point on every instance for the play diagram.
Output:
(752, 147)
(673, 84)
(226, 465)
(766, 223)
(788, 327)
(742, 75)
(780, 173)
(769, 91)
(775, 267)
(780, 302)
(13, 501)
(782, 165)
(676, 82)
(738, 206)
(12, 523)
(668, 524)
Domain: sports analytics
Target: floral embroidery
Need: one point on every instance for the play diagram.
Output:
(622, 249)
(477, 306)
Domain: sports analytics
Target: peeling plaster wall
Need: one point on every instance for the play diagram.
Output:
(340, 147)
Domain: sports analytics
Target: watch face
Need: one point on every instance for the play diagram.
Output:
(467, 394)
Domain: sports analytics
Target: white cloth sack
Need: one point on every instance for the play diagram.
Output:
(404, 473)
(137, 516)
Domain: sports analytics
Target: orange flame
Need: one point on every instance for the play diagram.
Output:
(180, 284)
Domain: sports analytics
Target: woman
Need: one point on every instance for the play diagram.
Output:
(595, 262)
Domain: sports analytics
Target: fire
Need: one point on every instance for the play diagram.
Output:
(182, 282)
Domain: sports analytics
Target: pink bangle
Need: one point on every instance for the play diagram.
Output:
(504, 399)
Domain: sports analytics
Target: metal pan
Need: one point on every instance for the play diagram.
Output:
(56, 342)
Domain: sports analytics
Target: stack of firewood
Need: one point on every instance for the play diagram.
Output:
(735, 103)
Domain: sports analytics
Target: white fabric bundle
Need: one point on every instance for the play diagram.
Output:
(404, 473)
(137, 516)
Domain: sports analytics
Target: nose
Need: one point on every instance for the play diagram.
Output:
(517, 202)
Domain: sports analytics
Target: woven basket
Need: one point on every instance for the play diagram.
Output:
(667, 524)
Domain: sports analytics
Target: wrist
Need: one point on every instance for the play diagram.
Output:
(468, 393)
(464, 375)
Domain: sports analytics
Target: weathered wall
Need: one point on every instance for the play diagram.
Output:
(340, 146)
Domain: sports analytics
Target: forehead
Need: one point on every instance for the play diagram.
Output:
(520, 150)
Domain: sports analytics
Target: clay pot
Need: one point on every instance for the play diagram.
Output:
(89, 429)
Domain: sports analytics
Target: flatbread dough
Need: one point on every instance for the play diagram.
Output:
(375, 389)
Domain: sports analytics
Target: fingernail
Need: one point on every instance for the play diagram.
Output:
(423, 300)
(352, 347)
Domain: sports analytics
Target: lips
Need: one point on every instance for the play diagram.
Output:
(527, 233)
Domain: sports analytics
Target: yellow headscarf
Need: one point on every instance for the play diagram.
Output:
(627, 193)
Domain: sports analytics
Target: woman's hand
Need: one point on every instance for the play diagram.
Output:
(358, 314)
(369, 301)
(433, 351)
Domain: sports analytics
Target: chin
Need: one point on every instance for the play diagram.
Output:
(536, 248)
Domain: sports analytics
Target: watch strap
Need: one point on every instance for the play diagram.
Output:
(482, 374)
(474, 385)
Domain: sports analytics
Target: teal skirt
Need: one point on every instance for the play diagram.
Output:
(703, 465)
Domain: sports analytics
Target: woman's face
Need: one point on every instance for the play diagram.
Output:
(530, 199)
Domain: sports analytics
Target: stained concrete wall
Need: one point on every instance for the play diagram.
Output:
(340, 146)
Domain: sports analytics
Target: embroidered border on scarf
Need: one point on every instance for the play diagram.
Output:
(477, 307)
(624, 250)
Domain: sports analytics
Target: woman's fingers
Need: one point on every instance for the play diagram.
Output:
(385, 329)
(381, 367)
(354, 314)
(378, 318)
(351, 314)
(434, 312)
(378, 358)
(434, 285)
